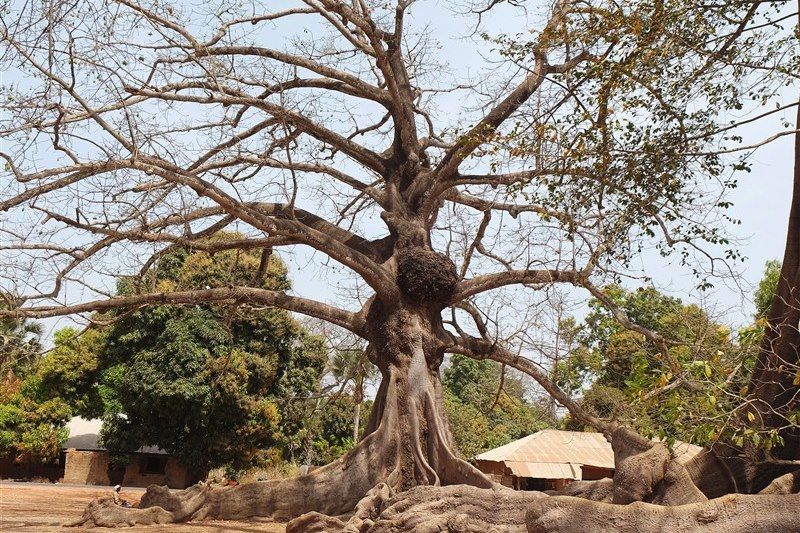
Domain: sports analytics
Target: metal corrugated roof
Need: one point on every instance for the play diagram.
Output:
(85, 435)
(554, 446)
(545, 470)
(567, 449)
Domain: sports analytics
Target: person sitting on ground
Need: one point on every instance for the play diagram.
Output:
(118, 498)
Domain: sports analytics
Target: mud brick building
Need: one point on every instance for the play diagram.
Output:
(84, 461)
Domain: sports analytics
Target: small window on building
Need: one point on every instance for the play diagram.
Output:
(153, 465)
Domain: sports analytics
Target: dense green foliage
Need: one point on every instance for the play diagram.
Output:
(319, 429)
(328, 420)
(351, 367)
(765, 291)
(688, 395)
(31, 425)
(331, 428)
(211, 384)
(480, 418)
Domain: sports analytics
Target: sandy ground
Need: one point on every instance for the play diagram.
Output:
(35, 508)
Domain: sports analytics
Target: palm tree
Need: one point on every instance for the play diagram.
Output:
(351, 365)
(19, 341)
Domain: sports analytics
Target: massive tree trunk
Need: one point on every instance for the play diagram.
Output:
(773, 387)
(407, 442)
(773, 391)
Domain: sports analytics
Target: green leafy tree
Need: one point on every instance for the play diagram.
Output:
(351, 366)
(339, 401)
(32, 426)
(319, 429)
(334, 427)
(70, 371)
(486, 409)
(31, 429)
(765, 292)
(685, 393)
(210, 384)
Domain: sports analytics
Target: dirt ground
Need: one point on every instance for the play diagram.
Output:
(35, 508)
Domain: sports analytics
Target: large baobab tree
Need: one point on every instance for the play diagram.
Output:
(131, 128)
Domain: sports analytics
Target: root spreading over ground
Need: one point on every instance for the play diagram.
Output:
(364, 493)
(404, 475)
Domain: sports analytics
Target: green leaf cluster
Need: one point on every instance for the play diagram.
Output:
(212, 384)
(479, 418)
(765, 292)
(623, 375)
(32, 425)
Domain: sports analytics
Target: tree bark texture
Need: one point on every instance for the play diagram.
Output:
(427, 509)
(773, 387)
(735, 513)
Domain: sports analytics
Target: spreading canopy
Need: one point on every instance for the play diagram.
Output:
(131, 129)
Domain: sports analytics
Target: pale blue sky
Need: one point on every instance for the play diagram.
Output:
(761, 201)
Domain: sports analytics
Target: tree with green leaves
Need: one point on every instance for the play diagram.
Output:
(213, 385)
(351, 367)
(623, 376)
(487, 407)
(767, 287)
(331, 427)
(71, 371)
(32, 426)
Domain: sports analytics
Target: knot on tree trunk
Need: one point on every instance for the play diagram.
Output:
(426, 276)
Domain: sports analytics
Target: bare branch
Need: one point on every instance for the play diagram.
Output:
(240, 295)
